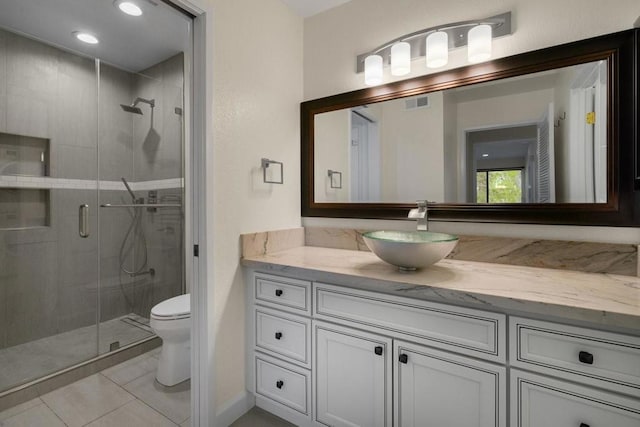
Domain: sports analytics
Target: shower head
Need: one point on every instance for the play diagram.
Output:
(131, 109)
(137, 110)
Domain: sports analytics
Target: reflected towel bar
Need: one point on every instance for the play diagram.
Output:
(143, 205)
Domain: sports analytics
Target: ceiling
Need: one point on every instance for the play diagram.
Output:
(306, 8)
(131, 43)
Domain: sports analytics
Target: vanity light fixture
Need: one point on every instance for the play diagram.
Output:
(85, 37)
(400, 59)
(479, 43)
(373, 70)
(485, 155)
(437, 49)
(128, 7)
(434, 44)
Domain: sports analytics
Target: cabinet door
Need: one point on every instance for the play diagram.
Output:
(537, 401)
(435, 388)
(352, 377)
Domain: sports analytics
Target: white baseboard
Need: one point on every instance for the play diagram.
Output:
(235, 408)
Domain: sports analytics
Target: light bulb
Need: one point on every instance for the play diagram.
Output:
(86, 37)
(373, 70)
(129, 8)
(437, 49)
(479, 43)
(400, 59)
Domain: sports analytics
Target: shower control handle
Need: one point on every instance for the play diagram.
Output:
(83, 221)
(278, 292)
(279, 383)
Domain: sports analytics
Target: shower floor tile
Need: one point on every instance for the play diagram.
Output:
(25, 362)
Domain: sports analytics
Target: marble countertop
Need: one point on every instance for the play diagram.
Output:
(607, 300)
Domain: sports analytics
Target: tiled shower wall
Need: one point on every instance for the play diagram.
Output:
(48, 275)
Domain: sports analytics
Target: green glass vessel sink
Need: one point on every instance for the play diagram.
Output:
(410, 250)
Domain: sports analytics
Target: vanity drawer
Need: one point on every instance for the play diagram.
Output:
(282, 383)
(597, 358)
(284, 293)
(537, 401)
(287, 335)
(471, 332)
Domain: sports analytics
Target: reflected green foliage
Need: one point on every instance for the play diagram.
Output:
(499, 186)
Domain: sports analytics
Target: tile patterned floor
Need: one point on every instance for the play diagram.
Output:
(123, 395)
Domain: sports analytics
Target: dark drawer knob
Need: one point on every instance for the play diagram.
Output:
(279, 384)
(278, 292)
(584, 425)
(378, 350)
(404, 358)
(585, 357)
(278, 335)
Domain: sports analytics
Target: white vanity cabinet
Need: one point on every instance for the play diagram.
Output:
(329, 355)
(278, 368)
(538, 401)
(376, 360)
(446, 389)
(352, 377)
(596, 360)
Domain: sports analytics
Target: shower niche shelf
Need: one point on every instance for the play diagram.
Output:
(24, 208)
(23, 156)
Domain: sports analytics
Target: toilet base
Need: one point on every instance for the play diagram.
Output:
(175, 363)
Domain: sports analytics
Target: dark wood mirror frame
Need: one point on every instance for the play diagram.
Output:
(623, 156)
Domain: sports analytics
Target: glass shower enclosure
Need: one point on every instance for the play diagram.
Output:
(91, 179)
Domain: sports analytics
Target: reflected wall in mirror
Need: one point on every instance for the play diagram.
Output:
(548, 136)
(537, 138)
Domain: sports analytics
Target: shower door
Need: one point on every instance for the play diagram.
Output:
(140, 155)
(49, 287)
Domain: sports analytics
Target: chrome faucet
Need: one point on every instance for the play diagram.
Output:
(420, 213)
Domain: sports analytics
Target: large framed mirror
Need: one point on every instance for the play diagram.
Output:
(548, 136)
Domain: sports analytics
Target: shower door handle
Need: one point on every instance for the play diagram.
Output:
(83, 221)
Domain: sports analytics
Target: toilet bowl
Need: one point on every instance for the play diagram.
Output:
(171, 321)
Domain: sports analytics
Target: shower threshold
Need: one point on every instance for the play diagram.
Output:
(36, 359)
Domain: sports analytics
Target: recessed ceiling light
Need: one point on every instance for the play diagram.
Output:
(128, 7)
(86, 37)
(485, 155)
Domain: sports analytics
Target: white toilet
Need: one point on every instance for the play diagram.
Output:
(171, 321)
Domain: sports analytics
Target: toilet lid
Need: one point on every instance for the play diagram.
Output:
(173, 307)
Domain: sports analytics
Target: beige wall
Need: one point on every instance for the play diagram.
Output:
(333, 39)
(412, 151)
(257, 90)
(331, 142)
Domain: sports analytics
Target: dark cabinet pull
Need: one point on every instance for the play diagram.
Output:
(279, 384)
(404, 358)
(584, 425)
(278, 335)
(585, 357)
(278, 292)
(378, 350)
